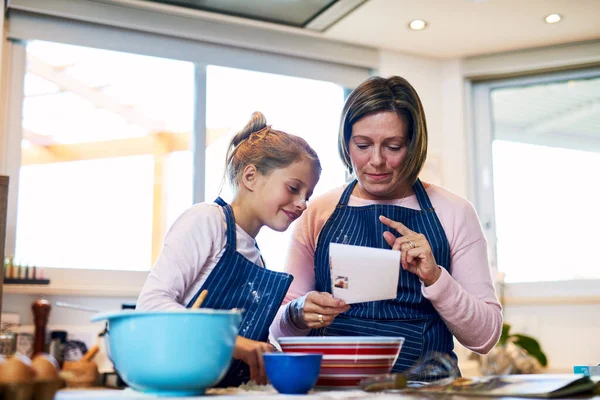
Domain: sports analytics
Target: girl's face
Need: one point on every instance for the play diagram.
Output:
(377, 147)
(282, 195)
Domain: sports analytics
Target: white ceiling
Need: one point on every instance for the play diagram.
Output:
(459, 28)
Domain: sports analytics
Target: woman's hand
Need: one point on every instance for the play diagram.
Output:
(251, 352)
(321, 308)
(416, 252)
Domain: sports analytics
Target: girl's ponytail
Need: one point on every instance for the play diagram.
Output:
(265, 148)
(257, 122)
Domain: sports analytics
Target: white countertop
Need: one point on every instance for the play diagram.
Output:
(221, 394)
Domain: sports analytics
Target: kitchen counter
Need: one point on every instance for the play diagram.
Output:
(221, 394)
(270, 394)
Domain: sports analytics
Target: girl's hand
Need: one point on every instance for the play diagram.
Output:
(251, 352)
(416, 252)
(321, 308)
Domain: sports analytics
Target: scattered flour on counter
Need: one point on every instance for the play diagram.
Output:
(250, 389)
(268, 392)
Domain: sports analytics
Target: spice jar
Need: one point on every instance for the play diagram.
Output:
(8, 343)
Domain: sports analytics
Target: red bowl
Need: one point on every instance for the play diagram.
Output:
(347, 359)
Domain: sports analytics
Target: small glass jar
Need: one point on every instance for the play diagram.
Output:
(8, 343)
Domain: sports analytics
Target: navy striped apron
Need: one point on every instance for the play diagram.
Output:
(409, 315)
(236, 282)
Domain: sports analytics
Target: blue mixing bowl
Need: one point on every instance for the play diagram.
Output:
(172, 353)
(292, 373)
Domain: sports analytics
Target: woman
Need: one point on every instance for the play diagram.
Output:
(444, 288)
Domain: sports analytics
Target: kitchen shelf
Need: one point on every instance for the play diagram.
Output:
(18, 281)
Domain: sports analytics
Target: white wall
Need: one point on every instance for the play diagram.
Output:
(1, 30)
(454, 138)
(568, 333)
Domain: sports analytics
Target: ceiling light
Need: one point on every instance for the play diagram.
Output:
(417, 24)
(553, 18)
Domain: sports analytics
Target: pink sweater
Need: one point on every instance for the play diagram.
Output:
(465, 298)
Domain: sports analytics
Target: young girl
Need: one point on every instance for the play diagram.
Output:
(211, 245)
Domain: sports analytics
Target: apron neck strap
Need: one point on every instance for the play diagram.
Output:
(418, 187)
(230, 220)
(422, 197)
(347, 192)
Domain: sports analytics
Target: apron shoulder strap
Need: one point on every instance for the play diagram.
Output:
(418, 187)
(230, 220)
(422, 196)
(347, 192)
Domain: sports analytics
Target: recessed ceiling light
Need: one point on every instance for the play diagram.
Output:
(553, 18)
(417, 24)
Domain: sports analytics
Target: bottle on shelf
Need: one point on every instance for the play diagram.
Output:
(11, 267)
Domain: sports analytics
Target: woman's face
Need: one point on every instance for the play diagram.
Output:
(377, 147)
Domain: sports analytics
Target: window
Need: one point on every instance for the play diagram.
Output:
(539, 186)
(307, 108)
(105, 164)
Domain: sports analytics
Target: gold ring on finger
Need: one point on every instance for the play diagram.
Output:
(321, 320)
(412, 244)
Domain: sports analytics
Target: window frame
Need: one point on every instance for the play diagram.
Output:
(481, 138)
(80, 281)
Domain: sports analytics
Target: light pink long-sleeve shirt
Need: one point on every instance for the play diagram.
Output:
(465, 298)
(192, 248)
